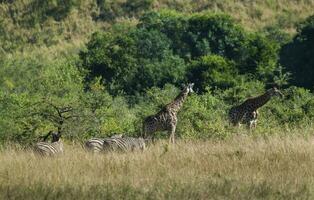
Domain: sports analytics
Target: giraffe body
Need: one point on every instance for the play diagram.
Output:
(166, 118)
(247, 111)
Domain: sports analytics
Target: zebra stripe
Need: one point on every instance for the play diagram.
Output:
(124, 144)
(96, 144)
(48, 149)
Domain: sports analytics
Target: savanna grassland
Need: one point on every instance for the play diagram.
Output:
(111, 63)
(240, 167)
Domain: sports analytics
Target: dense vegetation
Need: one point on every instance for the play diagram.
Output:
(94, 68)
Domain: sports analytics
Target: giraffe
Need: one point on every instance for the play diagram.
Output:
(247, 111)
(166, 118)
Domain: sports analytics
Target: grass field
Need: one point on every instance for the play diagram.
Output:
(241, 167)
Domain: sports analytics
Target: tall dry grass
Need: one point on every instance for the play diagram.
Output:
(241, 167)
(253, 15)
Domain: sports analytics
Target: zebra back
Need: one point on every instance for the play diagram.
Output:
(124, 144)
(48, 149)
(96, 144)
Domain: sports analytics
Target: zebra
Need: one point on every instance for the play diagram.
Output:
(48, 149)
(96, 144)
(125, 144)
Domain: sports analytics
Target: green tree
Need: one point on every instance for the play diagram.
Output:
(297, 56)
(157, 50)
(113, 58)
(132, 62)
(212, 71)
(196, 35)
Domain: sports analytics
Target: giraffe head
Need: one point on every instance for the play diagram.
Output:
(189, 88)
(274, 92)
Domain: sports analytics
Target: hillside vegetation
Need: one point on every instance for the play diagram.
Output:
(26, 24)
(115, 62)
(98, 68)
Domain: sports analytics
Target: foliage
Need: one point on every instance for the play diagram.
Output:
(212, 71)
(296, 106)
(158, 49)
(30, 97)
(297, 56)
(276, 34)
(136, 60)
(132, 62)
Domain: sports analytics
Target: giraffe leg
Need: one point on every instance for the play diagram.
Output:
(255, 123)
(253, 119)
(170, 137)
(172, 134)
(251, 124)
(153, 139)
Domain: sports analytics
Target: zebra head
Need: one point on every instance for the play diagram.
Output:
(55, 136)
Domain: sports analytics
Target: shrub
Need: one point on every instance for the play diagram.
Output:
(132, 62)
(212, 71)
(295, 108)
(297, 56)
(158, 49)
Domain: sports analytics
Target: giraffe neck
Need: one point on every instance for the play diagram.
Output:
(261, 100)
(178, 101)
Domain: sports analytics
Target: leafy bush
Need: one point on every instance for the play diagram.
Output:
(112, 57)
(297, 56)
(132, 62)
(133, 68)
(212, 71)
(158, 49)
(203, 116)
(276, 34)
(197, 35)
(295, 107)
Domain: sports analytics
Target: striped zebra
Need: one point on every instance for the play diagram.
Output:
(124, 144)
(96, 144)
(48, 149)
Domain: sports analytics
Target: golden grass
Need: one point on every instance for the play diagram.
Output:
(238, 168)
(253, 15)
